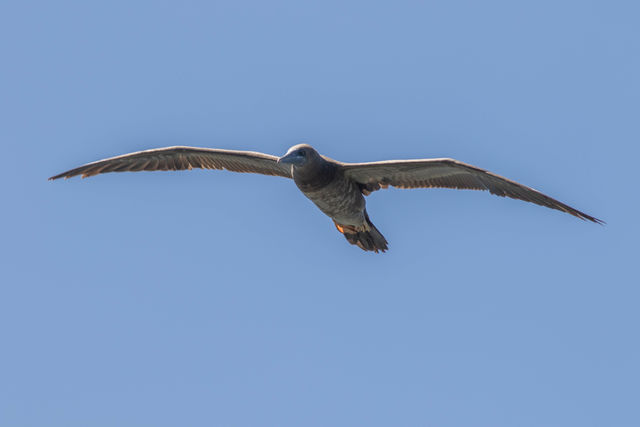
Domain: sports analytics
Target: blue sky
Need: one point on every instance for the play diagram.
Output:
(219, 299)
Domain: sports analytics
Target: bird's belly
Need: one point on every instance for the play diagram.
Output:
(340, 200)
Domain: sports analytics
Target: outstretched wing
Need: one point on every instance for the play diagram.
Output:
(447, 173)
(180, 158)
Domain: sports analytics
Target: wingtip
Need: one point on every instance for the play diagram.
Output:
(59, 176)
(593, 219)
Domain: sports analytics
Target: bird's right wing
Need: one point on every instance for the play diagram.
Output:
(180, 158)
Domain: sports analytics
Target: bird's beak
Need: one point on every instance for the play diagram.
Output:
(292, 159)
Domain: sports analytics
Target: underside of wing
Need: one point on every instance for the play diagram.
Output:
(448, 173)
(181, 158)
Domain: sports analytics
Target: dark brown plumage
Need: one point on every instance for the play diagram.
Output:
(180, 158)
(336, 188)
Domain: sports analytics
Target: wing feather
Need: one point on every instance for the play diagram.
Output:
(184, 158)
(448, 173)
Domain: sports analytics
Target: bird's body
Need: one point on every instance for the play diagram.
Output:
(323, 181)
(337, 197)
(336, 188)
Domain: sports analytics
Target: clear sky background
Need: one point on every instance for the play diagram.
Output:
(208, 298)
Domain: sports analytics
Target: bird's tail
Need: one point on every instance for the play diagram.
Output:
(367, 237)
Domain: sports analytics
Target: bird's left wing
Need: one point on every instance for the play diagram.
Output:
(180, 158)
(447, 173)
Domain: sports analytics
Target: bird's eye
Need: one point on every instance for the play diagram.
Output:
(302, 153)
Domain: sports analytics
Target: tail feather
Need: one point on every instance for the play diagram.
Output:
(367, 238)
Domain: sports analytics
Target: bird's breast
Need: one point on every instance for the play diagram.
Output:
(340, 199)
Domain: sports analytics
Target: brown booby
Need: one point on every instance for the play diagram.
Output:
(337, 188)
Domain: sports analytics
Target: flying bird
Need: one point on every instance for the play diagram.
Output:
(336, 188)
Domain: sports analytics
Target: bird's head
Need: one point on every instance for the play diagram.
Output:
(299, 155)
